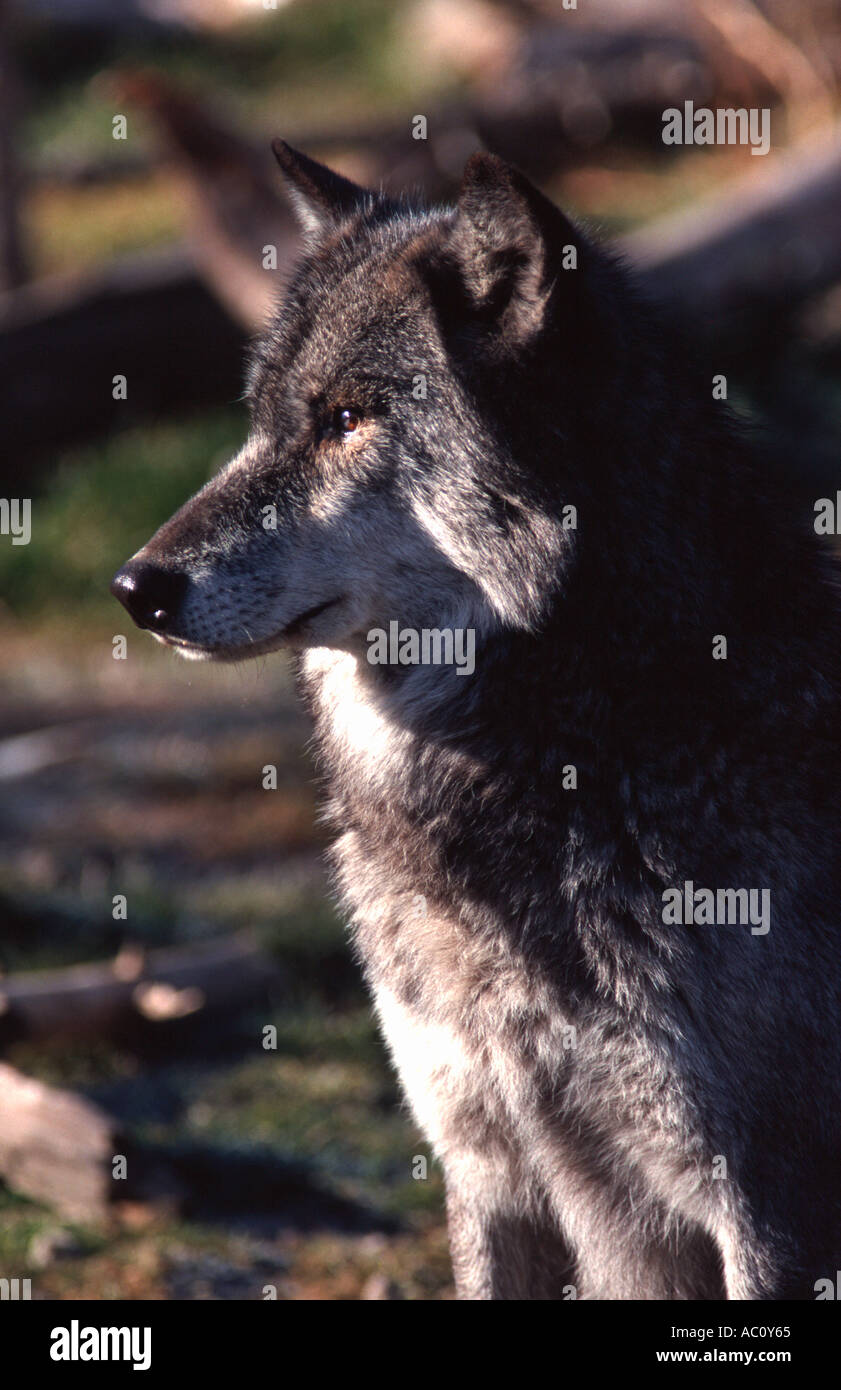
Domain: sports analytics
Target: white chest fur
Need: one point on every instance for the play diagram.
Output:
(357, 732)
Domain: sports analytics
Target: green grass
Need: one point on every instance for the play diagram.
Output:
(103, 502)
(325, 1096)
(301, 61)
(71, 228)
(290, 72)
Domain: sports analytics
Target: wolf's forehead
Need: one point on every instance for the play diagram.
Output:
(325, 316)
(371, 278)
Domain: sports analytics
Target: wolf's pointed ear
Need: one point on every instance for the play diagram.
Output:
(510, 242)
(320, 197)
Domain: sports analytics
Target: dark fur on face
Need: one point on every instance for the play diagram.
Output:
(581, 1067)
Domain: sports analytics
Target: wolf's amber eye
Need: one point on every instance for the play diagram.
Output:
(347, 420)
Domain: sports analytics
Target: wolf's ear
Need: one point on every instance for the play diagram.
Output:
(320, 197)
(511, 243)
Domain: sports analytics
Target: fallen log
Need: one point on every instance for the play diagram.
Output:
(136, 990)
(150, 318)
(754, 253)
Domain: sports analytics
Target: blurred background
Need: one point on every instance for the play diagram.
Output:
(176, 988)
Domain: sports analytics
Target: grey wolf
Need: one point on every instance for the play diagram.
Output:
(624, 1107)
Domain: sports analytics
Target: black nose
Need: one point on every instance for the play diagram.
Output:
(150, 594)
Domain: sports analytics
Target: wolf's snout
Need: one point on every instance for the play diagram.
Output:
(151, 595)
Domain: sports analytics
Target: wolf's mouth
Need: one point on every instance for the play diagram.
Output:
(201, 651)
(308, 615)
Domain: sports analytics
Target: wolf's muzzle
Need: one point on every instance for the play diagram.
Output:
(151, 595)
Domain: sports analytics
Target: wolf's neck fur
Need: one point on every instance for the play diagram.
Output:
(442, 780)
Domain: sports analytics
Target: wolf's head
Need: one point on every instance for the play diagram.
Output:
(416, 422)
